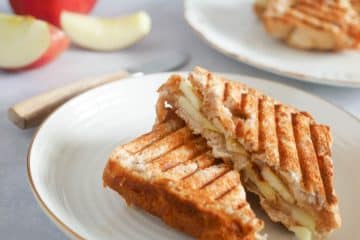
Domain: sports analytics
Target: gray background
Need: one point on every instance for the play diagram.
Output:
(20, 216)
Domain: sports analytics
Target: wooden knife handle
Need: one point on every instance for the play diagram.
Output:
(31, 112)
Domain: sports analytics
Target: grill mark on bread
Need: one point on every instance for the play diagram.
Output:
(159, 132)
(190, 166)
(233, 100)
(203, 177)
(226, 92)
(201, 161)
(218, 175)
(332, 15)
(222, 184)
(321, 138)
(205, 160)
(218, 198)
(251, 125)
(242, 205)
(262, 118)
(329, 12)
(231, 198)
(268, 141)
(182, 153)
(307, 156)
(289, 160)
(240, 115)
(216, 111)
(164, 145)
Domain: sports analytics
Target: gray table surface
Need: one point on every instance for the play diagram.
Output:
(20, 216)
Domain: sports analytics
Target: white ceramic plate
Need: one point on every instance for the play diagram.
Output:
(231, 27)
(69, 152)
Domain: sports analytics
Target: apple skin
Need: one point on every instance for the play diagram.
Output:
(50, 10)
(59, 43)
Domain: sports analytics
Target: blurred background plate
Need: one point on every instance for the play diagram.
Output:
(231, 27)
(70, 150)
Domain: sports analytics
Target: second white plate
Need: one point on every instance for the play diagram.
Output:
(231, 27)
(71, 148)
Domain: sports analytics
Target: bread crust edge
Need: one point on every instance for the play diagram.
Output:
(174, 209)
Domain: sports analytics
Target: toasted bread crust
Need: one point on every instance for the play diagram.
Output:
(175, 210)
(171, 174)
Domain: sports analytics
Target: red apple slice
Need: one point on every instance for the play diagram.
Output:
(59, 43)
(105, 34)
(50, 10)
(28, 43)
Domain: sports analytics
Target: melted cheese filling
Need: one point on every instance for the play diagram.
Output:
(301, 233)
(191, 103)
(186, 104)
(234, 146)
(276, 183)
(187, 89)
(272, 186)
(264, 188)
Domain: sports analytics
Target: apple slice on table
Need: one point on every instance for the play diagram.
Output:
(27, 43)
(50, 10)
(105, 34)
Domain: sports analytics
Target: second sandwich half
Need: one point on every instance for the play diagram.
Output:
(283, 154)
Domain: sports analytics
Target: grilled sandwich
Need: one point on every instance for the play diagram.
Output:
(311, 24)
(284, 156)
(171, 173)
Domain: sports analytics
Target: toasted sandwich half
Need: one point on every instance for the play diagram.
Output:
(171, 173)
(311, 24)
(284, 156)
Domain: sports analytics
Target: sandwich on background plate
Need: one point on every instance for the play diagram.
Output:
(312, 24)
(283, 154)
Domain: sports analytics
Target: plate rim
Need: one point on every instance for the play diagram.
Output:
(264, 67)
(44, 207)
(65, 227)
